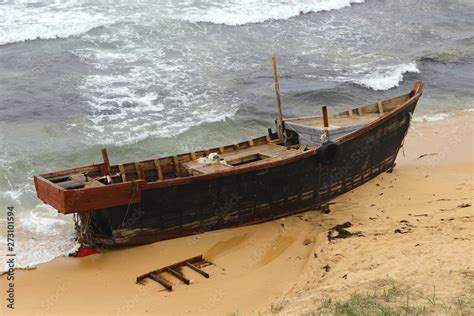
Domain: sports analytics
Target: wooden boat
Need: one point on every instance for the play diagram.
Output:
(305, 163)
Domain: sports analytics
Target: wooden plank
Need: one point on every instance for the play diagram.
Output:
(193, 267)
(84, 169)
(158, 169)
(59, 179)
(251, 144)
(140, 171)
(68, 185)
(105, 157)
(87, 199)
(325, 116)
(379, 105)
(176, 166)
(178, 275)
(157, 278)
(193, 156)
(123, 174)
(359, 111)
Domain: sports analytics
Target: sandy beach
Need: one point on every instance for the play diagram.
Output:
(412, 229)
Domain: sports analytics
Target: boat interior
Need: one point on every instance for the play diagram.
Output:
(248, 153)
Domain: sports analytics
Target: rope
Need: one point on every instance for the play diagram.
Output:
(83, 222)
(82, 225)
(132, 192)
(325, 136)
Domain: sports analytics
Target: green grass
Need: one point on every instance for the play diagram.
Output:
(397, 301)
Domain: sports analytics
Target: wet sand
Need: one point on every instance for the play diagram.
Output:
(414, 229)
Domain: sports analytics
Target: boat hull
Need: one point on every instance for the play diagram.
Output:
(250, 197)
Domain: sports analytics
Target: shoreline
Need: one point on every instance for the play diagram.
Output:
(412, 231)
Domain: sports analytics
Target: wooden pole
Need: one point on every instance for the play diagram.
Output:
(325, 117)
(140, 171)
(105, 157)
(278, 98)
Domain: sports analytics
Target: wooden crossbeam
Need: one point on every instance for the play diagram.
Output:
(123, 173)
(193, 267)
(176, 165)
(140, 171)
(178, 275)
(105, 157)
(157, 278)
(158, 169)
(380, 106)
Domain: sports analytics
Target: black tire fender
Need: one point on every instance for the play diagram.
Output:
(328, 152)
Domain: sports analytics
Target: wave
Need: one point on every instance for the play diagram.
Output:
(19, 23)
(431, 117)
(22, 21)
(452, 55)
(36, 230)
(236, 13)
(388, 78)
(161, 97)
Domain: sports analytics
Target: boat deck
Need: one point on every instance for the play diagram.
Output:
(244, 157)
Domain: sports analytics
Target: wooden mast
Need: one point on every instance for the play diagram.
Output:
(325, 117)
(325, 136)
(278, 100)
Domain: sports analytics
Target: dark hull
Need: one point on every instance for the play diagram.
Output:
(250, 197)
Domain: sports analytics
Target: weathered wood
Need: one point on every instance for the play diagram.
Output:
(68, 185)
(379, 105)
(59, 179)
(278, 98)
(158, 169)
(178, 275)
(198, 270)
(123, 173)
(140, 171)
(176, 166)
(105, 157)
(157, 278)
(325, 117)
(171, 269)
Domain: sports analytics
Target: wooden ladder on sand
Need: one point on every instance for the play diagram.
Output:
(195, 263)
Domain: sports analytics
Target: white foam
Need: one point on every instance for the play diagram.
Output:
(240, 12)
(161, 96)
(40, 236)
(22, 21)
(431, 117)
(29, 254)
(388, 77)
